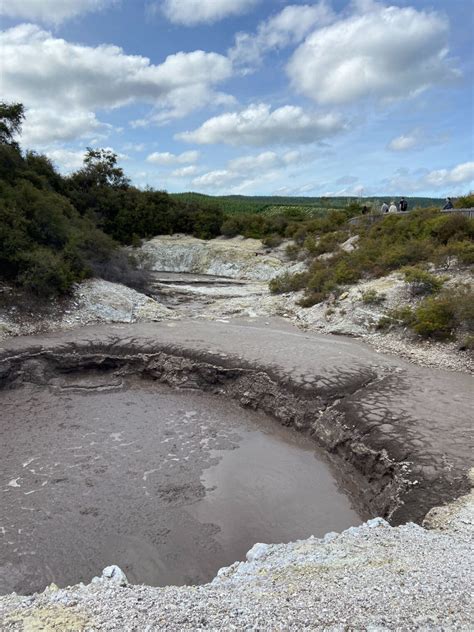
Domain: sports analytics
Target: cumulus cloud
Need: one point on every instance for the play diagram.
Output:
(248, 170)
(461, 174)
(454, 180)
(192, 12)
(405, 141)
(257, 125)
(415, 139)
(379, 52)
(45, 126)
(288, 27)
(66, 159)
(185, 172)
(54, 76)
(51, 11)
(167, 158)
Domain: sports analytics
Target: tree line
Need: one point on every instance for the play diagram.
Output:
(56, 230)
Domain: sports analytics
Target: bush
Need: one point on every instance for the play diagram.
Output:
(435, 318)
(45, 273)
(401, 316)
(312, 298)
(371, 297)
(465, 201)
(288, 283)
(272, 241)
(421, 282)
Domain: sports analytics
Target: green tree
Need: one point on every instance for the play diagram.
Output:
(11, 119)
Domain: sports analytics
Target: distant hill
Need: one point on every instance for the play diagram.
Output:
(270, 203)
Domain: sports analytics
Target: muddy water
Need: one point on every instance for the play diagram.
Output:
(170, 485)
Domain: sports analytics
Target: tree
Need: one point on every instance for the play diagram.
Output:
(100, 168)
(11, 119)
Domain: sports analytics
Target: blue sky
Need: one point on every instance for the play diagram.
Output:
(330, 97)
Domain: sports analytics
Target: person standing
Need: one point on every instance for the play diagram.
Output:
(384, 208)
(448, 204)
(393, 207)
(403, 206)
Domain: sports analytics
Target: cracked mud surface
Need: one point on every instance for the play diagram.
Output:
(400, 433)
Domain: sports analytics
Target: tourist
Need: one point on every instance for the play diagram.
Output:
(393, 207)
(403, 205)
(384, 208)
(448, 204)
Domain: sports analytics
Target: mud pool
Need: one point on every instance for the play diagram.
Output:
(169, 484)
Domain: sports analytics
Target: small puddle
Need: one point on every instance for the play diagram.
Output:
(170, 485)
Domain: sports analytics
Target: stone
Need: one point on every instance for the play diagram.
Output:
(114, 574)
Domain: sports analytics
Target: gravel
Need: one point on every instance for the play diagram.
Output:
(372, 577)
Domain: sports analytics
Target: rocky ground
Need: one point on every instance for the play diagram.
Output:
(373, 577)
(228, 278)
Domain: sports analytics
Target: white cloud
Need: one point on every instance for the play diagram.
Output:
(405, 141)
(134, 147)
(45, 126)
(415, 139)
(289, 26)
(453, 181)
(246, 171)
(257, 125)
(54, 77)
(66, 159)
(185, 172)
(167, 158)
(463, 173)
(51, 11)
(192, 12)
(379, 52)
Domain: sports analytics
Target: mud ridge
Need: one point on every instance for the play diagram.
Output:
(381, 480)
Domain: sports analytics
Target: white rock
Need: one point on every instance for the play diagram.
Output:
(258, 551)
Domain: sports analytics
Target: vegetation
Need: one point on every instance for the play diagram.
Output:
(421, 282)
(309, 206)
(371, 297)
(57, 230)
(465, 201)
(438, 316)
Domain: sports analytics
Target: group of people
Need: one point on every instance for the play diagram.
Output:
(402, 207)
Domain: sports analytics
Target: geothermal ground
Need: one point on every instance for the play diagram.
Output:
(169, 448)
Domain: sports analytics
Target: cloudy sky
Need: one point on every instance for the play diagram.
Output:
(329, 97)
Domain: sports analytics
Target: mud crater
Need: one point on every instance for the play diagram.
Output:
(168, 517)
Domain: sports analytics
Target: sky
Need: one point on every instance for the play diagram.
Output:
(250, 97)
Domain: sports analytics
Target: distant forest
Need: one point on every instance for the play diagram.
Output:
(313, 205)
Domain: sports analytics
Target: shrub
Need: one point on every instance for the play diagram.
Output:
(401, 316)
(45, 273)
(421, 282)
(435, 318)
(288, 283)
(344, 273)
(371, 297)
(272, 241)
(465, 201)
(292, 251)
(467, 343)
(312, 298)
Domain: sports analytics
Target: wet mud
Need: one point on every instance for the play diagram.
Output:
(397, 438)
(170, 485)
